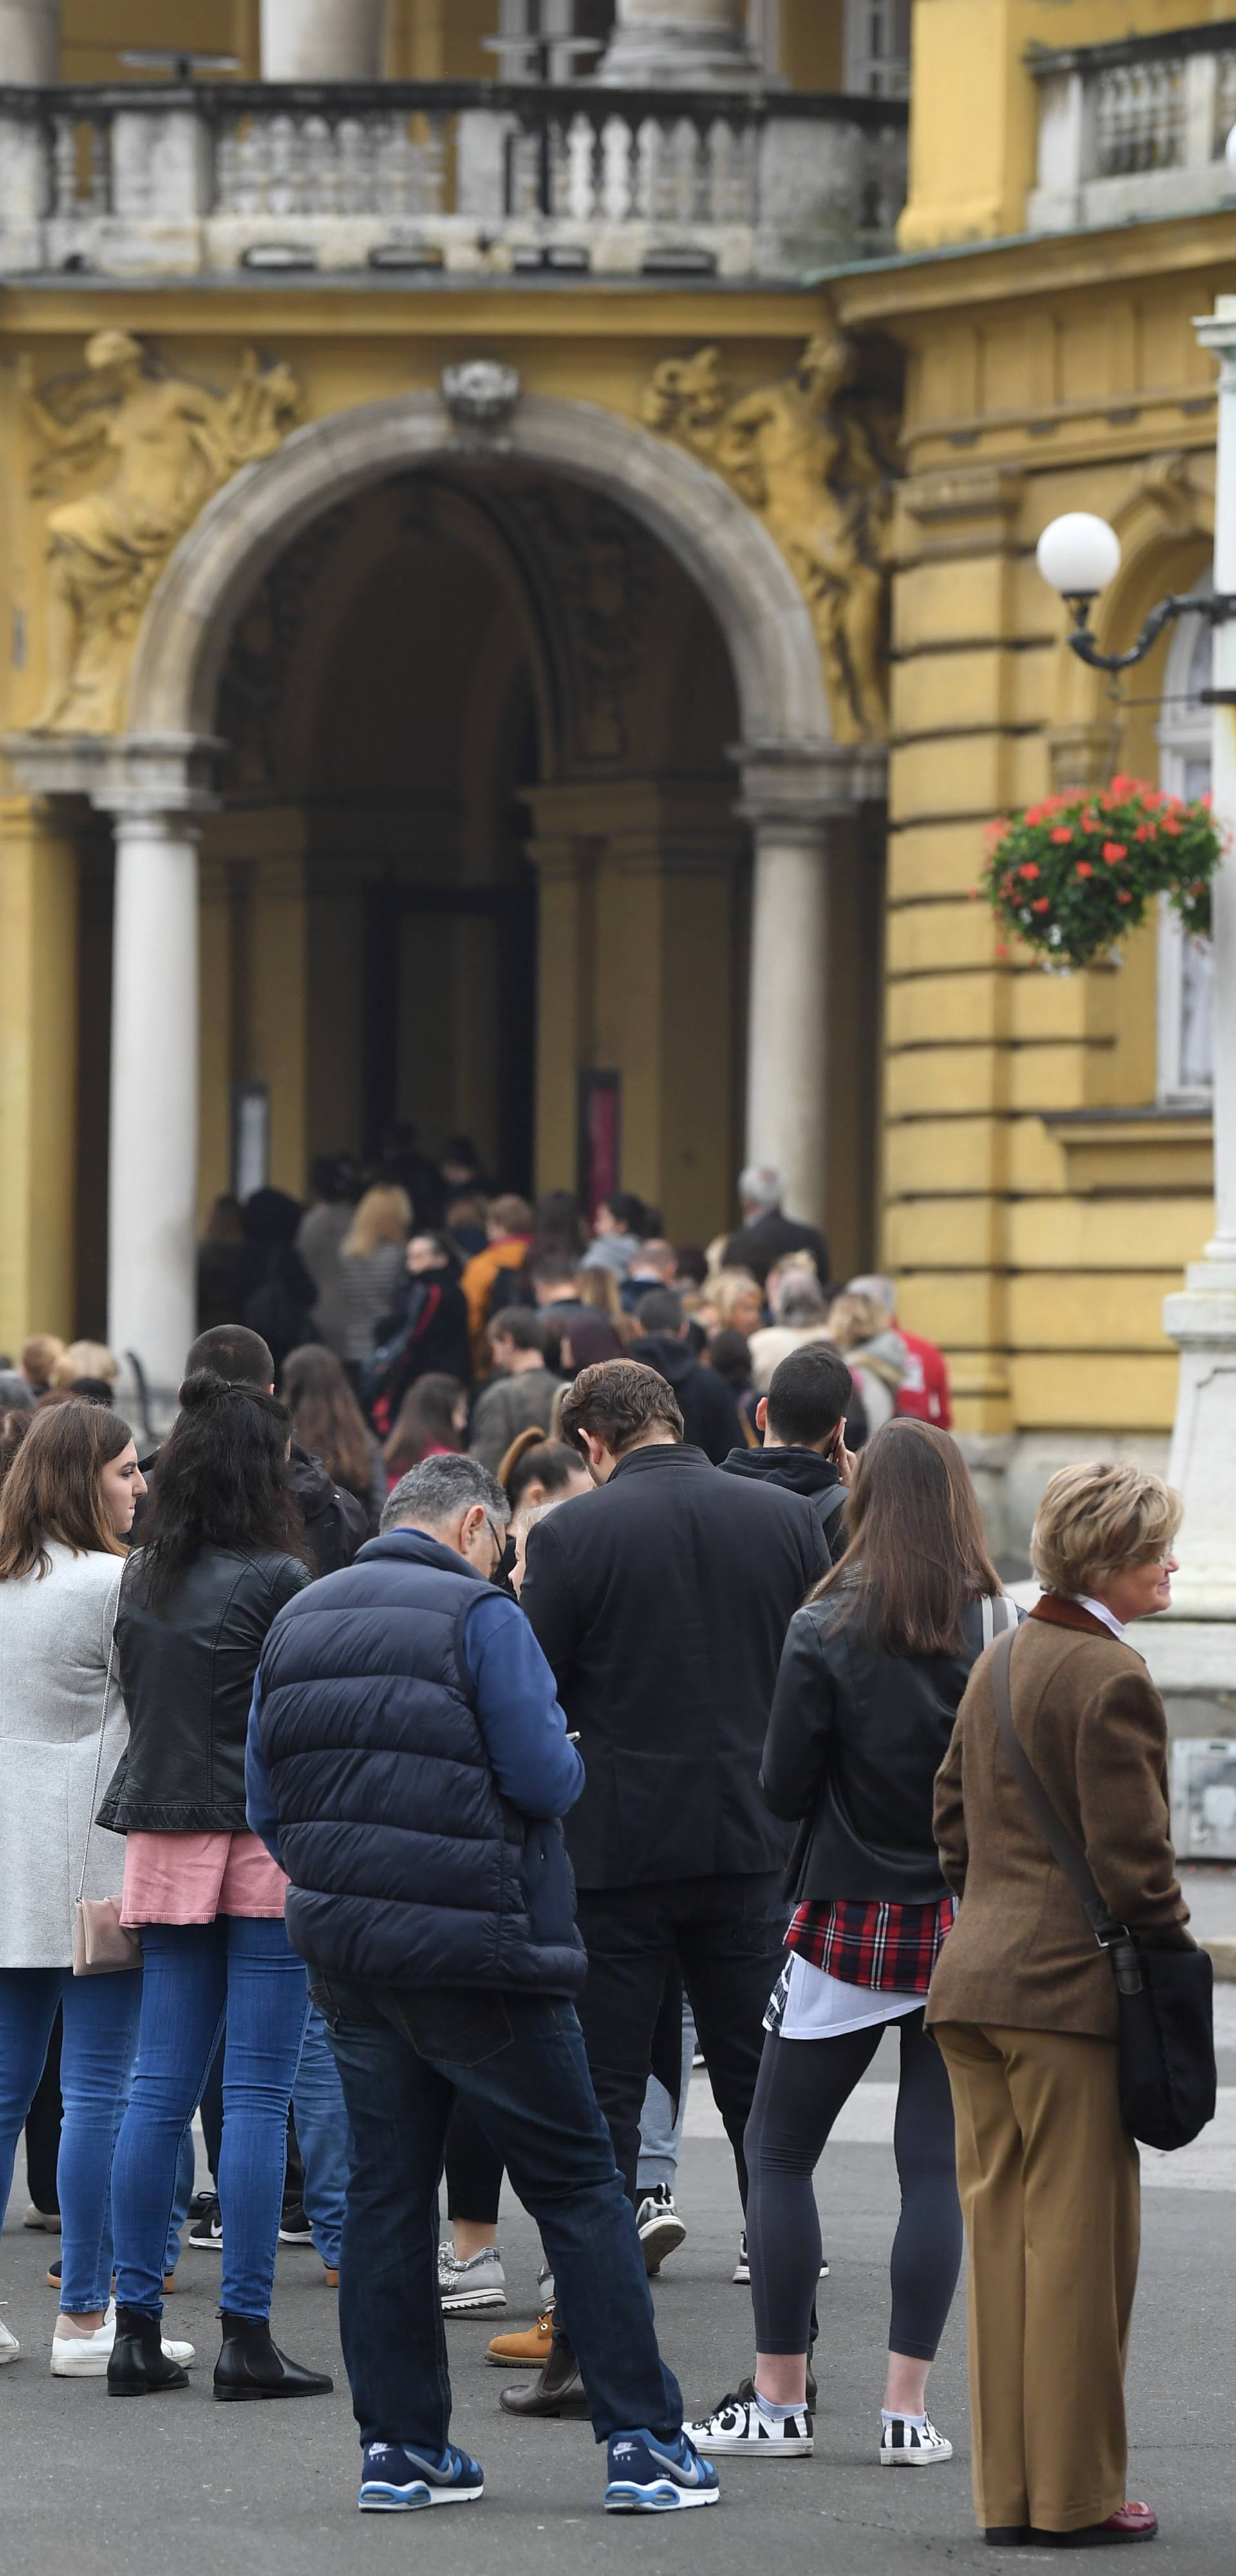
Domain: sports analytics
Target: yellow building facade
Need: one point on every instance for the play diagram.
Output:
(518, 600)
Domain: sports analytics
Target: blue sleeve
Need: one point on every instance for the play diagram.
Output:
(259, 1804)
(524, 1728)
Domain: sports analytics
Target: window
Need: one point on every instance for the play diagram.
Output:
(1186, 966)
(877, 47)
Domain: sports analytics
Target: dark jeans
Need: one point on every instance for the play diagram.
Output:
(726, 1934)
(518, 2062)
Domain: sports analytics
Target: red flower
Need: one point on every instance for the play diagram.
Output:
(1207, 800)
(1114, 852)
(1030, 869)
(1041, 904)
(1001, 950)
(1122, 897)
(1144, 832)
(1123, 786)
(1033, 814)
(1084, 868)
(1063, 832)
(1170, 825)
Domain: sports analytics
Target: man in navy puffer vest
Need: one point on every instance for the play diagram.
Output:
(408, 1764)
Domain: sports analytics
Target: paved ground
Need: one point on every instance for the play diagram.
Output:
(179, 2487)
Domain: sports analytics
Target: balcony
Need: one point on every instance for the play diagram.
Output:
(1134, 131)
(466, 178)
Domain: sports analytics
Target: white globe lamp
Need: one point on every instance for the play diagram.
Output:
(1078, 554)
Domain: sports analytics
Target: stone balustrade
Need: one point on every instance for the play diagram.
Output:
(1134, 130)
(462, 176)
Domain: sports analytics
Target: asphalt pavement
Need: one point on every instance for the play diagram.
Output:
(180, 2487)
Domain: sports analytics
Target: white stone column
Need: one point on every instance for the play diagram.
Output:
(1193, 1653)
(152, 1177)
(29, 42)
(668, 42)
(786, 1033)
(322, 40)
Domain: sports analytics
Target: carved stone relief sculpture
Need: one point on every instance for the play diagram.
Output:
(602, 574)
(817, 468)
(158, 446)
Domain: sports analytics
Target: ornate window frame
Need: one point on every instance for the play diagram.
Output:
(1186, 966)
(877, 48)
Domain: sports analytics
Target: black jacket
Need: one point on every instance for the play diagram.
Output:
(799, 1471)
(708, 1406)
(855, 1740)
(662, 1602)
(767, 1239)
(186, 1671)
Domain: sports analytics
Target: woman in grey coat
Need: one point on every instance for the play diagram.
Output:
(66, 1505)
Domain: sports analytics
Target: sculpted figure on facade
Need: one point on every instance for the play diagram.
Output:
(160, 445)
(803, 454)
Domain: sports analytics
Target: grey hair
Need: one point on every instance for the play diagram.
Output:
(438, 1492)
(760, 1186)
(871, 1284)
(801, 1300)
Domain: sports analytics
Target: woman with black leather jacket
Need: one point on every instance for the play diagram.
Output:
(871, 1676)
(222, 1550)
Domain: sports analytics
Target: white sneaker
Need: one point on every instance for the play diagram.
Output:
(742, 2268)
(9, 2345)
(739, 2424)
(661, 2230)
(905, 2444)
(87, 2356)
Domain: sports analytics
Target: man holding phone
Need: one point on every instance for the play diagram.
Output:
(802, 1419)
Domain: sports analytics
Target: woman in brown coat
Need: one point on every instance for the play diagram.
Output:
(1023, 2004)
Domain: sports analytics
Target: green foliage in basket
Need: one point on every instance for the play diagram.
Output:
(1071, 876)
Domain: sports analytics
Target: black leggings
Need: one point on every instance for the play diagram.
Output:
(802, 2086)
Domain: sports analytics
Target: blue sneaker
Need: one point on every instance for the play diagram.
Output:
(397, 2480)
(648, 2476)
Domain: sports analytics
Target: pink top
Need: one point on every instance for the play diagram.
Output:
(190, 1878)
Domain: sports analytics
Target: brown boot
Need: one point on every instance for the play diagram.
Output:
(527, 2351)
(558, 2391)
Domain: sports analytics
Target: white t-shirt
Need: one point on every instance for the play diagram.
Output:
(818, 2006)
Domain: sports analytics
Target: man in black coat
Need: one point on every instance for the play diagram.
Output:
(711, 1419)
(766, 1235)
(662, 1602)
(802, 1419)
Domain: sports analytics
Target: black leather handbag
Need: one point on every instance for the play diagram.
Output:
(1166, 2039)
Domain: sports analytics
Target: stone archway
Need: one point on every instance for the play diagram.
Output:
(155, 778)
(745, 579)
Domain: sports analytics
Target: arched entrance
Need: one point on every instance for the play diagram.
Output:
(469, 481)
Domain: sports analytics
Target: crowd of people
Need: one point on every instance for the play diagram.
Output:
(544, 1653)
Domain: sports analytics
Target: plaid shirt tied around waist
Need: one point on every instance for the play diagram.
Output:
(891, 1948)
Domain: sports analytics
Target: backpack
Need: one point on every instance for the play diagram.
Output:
(336, 1525)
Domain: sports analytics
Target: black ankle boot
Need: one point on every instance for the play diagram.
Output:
(137, 2364)
(250, 2365)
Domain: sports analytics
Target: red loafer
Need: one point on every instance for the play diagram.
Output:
(1129, 2522)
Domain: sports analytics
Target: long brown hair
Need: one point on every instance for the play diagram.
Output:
(326, 1418)
(51, 1497)
(916, 1552)
(425, 1421)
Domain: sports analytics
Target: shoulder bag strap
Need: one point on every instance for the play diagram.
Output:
(98, 1759)
(1064, 1851)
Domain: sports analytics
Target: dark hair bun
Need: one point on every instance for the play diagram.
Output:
(204, 1387)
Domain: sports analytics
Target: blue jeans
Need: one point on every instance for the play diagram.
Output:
(243, 1968)
(96, 2067)
(322, 2135)
(660, 2127)
(518, 2062)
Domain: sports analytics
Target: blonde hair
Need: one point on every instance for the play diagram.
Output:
(383, 1216)
(729, 1289)
(1094, 1519)
(85, 1359)
(854, 1318)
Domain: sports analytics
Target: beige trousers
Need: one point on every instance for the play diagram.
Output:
(1050, 2196)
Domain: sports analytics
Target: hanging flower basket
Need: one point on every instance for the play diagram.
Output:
(1071, 876)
